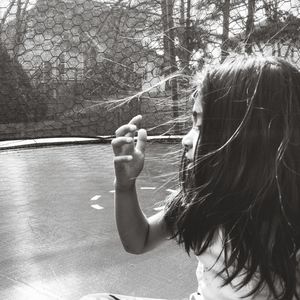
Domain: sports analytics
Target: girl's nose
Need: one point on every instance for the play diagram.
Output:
(187, 141)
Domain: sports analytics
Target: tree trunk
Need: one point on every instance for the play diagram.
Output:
(225, 33)
(19, 29)
(170, 65)
(189, 41)
(186, 36)
(250, 26)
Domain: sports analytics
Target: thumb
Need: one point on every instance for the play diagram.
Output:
(141, 140)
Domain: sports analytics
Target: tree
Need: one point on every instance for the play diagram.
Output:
(170, 65)
(225, 33)
(250, 26)
(6, 14)
(19, 101)
(19, 25)
(185, 35)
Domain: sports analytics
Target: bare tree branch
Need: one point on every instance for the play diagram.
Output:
(7, 12)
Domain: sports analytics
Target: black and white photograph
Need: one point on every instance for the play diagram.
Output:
(149, 149)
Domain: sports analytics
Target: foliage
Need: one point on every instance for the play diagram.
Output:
(19, 101)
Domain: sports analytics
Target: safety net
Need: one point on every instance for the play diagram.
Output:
(84, 67)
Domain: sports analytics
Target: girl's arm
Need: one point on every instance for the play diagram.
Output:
(138, 233)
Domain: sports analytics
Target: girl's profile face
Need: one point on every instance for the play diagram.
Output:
(189, 141)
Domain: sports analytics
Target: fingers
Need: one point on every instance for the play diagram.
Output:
(130, 128)
(120, 141)
(136, 120)
(122, 158)
(141, 140)
(123, 145)
(126, 130)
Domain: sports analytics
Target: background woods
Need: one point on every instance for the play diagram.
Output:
(67, 66)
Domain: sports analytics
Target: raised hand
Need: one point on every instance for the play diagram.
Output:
(129, 157)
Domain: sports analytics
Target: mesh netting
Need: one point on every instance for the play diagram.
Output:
(83, 67)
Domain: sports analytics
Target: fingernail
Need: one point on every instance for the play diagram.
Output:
(129, 140)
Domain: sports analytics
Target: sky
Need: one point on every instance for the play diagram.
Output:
(4, 4)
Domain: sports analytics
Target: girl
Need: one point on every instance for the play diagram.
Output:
(238, 205)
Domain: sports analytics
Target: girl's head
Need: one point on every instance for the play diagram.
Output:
(245, 178)
(248, 99)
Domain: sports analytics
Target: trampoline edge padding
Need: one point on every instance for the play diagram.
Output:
(63, 141)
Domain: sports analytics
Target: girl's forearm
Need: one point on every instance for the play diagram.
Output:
(131, 222)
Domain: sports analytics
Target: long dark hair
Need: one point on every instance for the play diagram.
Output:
(246, 175)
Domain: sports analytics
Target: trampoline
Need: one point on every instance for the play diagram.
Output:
(82, 68)
(58, 234)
